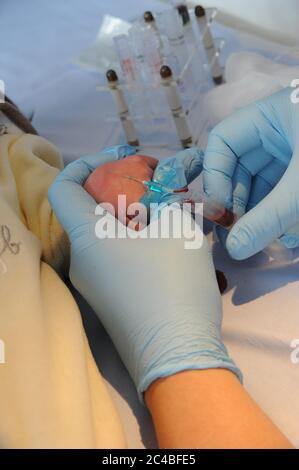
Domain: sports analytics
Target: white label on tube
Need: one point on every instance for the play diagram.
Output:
(173, 98)
(214, 63)
(177, 111)
(123, 112)
(129, 130)
(207, 39)
(182, 128)
(120, 101)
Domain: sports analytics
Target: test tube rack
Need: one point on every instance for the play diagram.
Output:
(169, 112)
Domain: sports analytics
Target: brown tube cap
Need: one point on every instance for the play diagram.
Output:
(165, 72)
(184, 13)
(111, 75)
(148, 17)
(218, 80)
(199, 11)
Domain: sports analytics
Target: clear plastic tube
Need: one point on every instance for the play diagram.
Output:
(151, 24)
(125, 56)
(280, 253)
(209, 45)
(173, 28)
(212, 210)
(152, 54)
(122, 108)
(175, 104)
(219, 215)
(136, 41)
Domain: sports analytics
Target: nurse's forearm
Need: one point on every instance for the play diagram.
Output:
(209, 409)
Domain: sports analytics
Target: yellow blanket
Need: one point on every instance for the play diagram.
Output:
(51, 392)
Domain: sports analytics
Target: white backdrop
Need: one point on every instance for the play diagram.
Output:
(275, 19)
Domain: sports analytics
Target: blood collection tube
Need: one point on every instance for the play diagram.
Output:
(208, 43)
(184, 13)
(149, 19)
(212, 210)
(122, 107)
(150, 22)
(152, 54)
(125, 56)
(219, 215)
(187, 24)
(173, 28)
(280, 253)
(178, 114)
(136, 38)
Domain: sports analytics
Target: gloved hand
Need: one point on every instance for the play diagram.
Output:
(122, 177)
(252, 166)
(158, 301)
(174, 173)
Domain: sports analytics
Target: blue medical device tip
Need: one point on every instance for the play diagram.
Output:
(156, 187)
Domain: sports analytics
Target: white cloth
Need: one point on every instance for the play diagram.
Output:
(249, 77)
(52, 394)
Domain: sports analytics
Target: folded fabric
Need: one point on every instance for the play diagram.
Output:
(249, 77)
(52, 394)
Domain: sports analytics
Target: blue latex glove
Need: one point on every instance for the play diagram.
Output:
(174, 173)
(252, 166)
(179, 171)
(159, 302)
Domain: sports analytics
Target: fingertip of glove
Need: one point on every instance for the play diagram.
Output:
(237, 248)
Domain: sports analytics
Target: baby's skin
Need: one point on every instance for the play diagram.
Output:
(109, 181)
